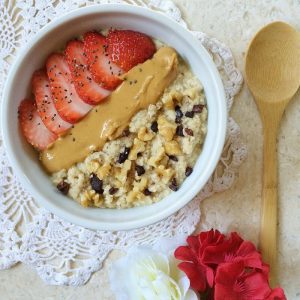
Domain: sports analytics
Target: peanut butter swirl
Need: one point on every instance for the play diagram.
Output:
(142, 86)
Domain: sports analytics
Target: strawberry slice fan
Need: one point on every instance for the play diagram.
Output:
(73, 82)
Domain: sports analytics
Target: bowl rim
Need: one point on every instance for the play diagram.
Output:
(109, 8)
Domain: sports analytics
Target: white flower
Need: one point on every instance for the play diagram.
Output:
(147, 274)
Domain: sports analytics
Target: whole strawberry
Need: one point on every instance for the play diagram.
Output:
(128, 48)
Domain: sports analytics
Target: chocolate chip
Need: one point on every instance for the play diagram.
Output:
(173, 186)
(113, 190)
(140, 170)
(188, 171)
(147, 192)
(189, 131)
(178, 111)
(154, 126)
(189, 114)
(173, 157)
(63, 187)
(198, 108)
(124, 155)
(179, 114)
(96, 183)
(179, 130)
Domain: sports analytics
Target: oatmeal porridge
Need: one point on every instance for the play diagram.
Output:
(152, 159)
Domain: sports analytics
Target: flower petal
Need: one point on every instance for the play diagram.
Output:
(179, 276)
(226, 277)
(277, 294)
(184, 253)
(235, 281)
(228, 272)
(223, 292)
(211, 237)
(196, 276)
(266, 269)
(191, 295)
(165, 288)
(252, 258)
(257, 286)
(210, 277)
(193, 242)
(184, 284)
(119, 282)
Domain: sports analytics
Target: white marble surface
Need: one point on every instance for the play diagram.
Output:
(234, 22)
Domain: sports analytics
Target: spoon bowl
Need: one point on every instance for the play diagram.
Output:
(273, 76)
(272, 63)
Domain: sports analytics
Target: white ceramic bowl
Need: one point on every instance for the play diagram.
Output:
(52, 37)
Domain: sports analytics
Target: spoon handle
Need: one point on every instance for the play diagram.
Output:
(271, 117)
(268, 226)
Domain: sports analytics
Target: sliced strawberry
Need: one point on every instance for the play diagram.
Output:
(128, 48)
(103, 70)
(45, 106)
(66, 100)
(88, 90)
(34, 130)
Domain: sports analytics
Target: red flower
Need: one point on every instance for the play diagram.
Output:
(235, 281)
(233, 265)
(198, 273)
(277, 294)
(232, 249)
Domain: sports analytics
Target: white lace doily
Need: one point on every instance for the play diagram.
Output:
(63, 253)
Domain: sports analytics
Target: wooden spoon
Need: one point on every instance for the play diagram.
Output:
(273, 76)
